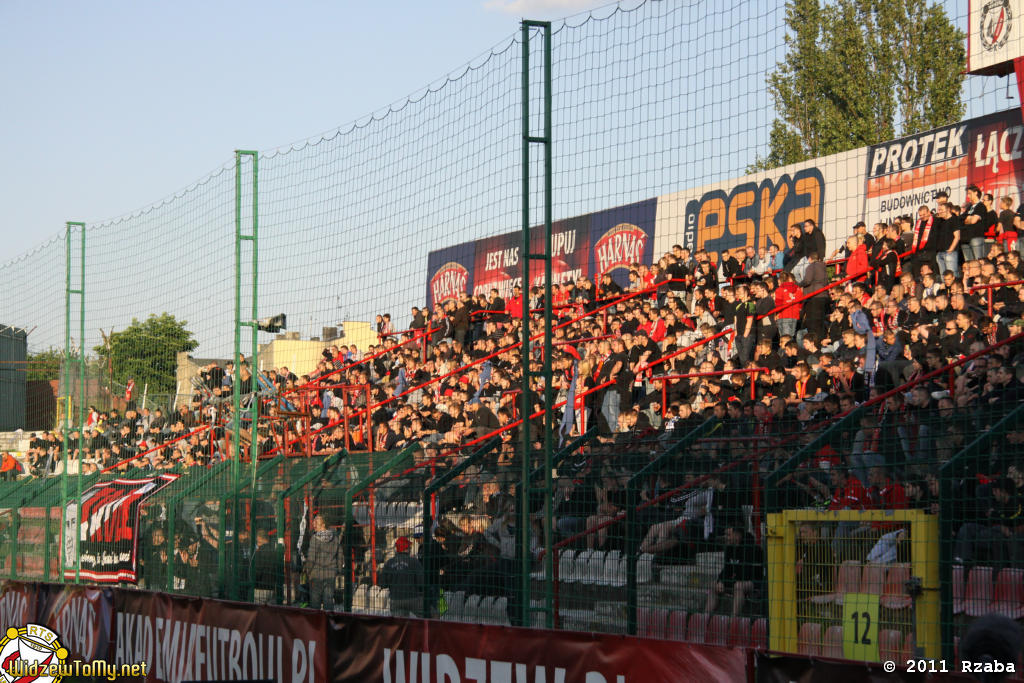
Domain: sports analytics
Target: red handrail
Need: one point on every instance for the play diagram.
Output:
(990, 287)
(664, 379)
(478, 361)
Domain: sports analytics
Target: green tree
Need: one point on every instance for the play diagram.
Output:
(44, 365)
(858, 72)
(147, 352)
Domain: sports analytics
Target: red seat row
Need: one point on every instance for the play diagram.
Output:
(980, 595)
(886, 581)
(892, 644)
(708, 629)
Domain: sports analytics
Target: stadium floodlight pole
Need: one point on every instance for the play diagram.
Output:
(523, 523)
(68, 292)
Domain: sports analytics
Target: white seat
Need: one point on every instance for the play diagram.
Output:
(566, 562)
(614, 570)
(359, 599)
(373, 605)
(456, 604)
(593, 572)
(385, 601)
(499, 613)
(471, 611)
(578, 568)
(645, 568)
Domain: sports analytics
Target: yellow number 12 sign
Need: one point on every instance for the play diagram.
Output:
(860, 627)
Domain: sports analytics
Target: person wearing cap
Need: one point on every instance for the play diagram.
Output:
(402, 575)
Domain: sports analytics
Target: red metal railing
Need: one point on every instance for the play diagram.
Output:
(664, 379)
(995, 285)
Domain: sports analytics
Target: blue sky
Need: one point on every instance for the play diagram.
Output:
(110, 106)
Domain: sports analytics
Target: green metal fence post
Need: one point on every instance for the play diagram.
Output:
(525, 489)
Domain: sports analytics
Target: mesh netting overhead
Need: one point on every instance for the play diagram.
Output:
(650, 99)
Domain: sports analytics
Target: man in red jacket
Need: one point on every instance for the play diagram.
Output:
(786, 292)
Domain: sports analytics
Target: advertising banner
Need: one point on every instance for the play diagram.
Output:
(758, 209)
(570, 251)
(107, 530)
(620, 237)
(81, 615)
(412, 650)
(449, 272)
(905, 174)
(497, 264)
(18, 603)
(996, 155)
(188, 639)
(994, 35)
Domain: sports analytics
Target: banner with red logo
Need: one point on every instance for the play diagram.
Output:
(995, 156)
(449, 273)
(81, 615)
(620, 237)
(18, 603)
(107, 531)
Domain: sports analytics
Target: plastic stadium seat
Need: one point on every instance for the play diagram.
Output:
(759, 634)
(359, 598)
(645, 568)
(652, 621)
(847, 581)
(872, 580)
(614, 573)
(978, 601)
(895, 594)
(808, 639)
(471, 611)
(566, 562)
(578, 569)
(499, 611)
(890, 645)
(958, 589)
(717, 632)
(1009, 593)
(456, 602)
(696, 627)
(739, 632)
(677, 625)
(593, 572)
(833, 646)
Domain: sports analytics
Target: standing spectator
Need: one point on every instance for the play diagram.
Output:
(265, 569)
(787, 292)
(403, 577)
(972, 235)
(946, 236)
(323, 564)
(816, 306)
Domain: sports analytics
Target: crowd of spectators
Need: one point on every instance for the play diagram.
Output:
(796, 340)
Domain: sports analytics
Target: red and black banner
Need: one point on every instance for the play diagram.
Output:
(108, 529)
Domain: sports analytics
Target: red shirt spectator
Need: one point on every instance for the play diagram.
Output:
(787, 292)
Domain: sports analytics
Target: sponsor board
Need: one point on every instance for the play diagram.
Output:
(905, 174)
(757, 209)
(621, 237)
(994, 35)
(995, 155)
(449, 273)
